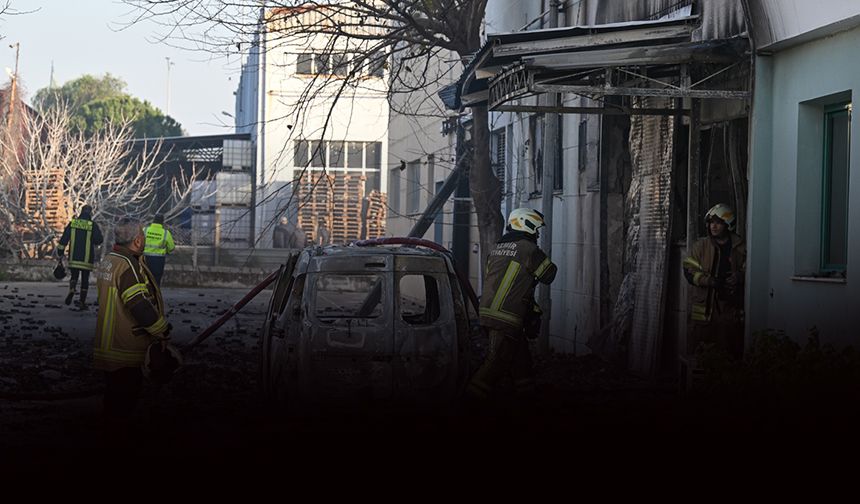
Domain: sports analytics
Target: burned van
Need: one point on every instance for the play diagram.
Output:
(373, 322)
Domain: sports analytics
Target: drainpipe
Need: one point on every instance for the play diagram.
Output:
(550, 160)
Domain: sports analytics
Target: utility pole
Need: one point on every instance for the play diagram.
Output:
(14, 88)
(550, 161)
(167, 106)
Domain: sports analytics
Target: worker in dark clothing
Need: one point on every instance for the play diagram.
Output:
(281, 233)
(82, 236)
(508, 311)
(287, 235)
(715, 270)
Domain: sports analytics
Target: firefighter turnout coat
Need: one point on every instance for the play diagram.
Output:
(81, 235)
(703, 264)
(513, 270)
(131, 311)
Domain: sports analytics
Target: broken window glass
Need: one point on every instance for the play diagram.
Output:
(348, 296)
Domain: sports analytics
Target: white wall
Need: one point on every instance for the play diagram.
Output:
(783, 194)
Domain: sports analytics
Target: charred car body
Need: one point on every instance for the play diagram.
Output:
(373, 322)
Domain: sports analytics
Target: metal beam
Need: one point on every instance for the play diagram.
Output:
(589, 110)
(592, 40)
(624, 91)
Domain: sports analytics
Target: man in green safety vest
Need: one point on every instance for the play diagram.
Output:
(159, 242)
(81, 235)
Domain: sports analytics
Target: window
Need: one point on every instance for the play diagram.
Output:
(498, 155)
(834, 224)
(301, 154)
(304, 64)
(339, 296)
(413, 186)
(536, 154)
(374, 155)
(394, 191)
(355, 155)
(322, 64)
(419, 299)
(376, 64)
(582, 147)
(340, 64)
(336, 158)
(318, 154)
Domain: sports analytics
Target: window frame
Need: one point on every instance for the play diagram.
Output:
(830, 112)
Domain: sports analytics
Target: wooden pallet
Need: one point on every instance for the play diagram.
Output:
(376, 214)
(49, 189)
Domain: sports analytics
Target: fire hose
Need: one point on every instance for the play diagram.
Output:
(464, 282)
(231, 312)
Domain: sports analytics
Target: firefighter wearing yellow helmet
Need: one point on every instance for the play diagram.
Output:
(715, 270)
(508, 311)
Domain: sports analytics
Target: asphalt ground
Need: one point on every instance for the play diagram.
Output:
(50, 400)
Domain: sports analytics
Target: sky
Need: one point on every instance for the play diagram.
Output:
(85, 37)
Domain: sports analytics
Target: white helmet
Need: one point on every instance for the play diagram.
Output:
(723, 212)
(526, 220)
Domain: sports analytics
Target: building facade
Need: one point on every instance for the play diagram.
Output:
(804, 222)
(319, 119)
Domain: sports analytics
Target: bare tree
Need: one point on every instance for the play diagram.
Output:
(404, 35)
(48, 172)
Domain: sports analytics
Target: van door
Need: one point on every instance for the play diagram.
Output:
(425, 336)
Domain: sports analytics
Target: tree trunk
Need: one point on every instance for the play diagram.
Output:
(485, 187)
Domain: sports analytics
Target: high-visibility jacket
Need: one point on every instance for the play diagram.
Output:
(131, 311)
(159, 241)
(82, 236)
(701, 265)
(514, 268)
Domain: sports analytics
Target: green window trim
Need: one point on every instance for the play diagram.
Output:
(831, 112)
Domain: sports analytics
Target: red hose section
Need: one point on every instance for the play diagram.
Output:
(232, 311)
(397, 240)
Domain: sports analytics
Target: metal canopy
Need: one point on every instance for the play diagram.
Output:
(648, 58)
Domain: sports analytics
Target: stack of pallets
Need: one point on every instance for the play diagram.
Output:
(346, 216)
(377, 205)
(315, 198)
(48, 189)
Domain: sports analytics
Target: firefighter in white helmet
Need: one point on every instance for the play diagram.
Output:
(715, 270)
(508, 311)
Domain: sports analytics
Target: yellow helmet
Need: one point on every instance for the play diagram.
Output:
(723, 212)
(526, 220)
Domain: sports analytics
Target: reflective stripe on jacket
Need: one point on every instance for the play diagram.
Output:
(513, 270)
(701, 265)
(159, 241)
(81, 236)
(131, 311)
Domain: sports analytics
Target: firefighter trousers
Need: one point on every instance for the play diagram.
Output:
(507, 353)
(724, 332)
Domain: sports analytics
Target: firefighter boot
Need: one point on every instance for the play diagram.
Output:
(83, 301)
(69, 296)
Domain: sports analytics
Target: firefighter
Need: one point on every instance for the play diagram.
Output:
(508, 311)
(130, 319)
(82, 236)
(715, 271)
(159, 243)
